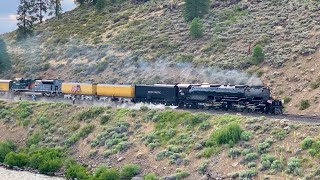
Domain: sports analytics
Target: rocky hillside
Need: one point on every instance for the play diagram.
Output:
(171, 144)
(149, 43)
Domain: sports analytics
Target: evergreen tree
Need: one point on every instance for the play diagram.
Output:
(41, 8)
(100, 4)
(196, 28)
(25, 19)
(4, 57)
(55, 7)
(257, 55)
(195, 8)
(81, 2)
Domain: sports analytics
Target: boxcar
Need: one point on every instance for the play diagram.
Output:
(160, 93)
(79, 88)
(107, 90)
(5, 85)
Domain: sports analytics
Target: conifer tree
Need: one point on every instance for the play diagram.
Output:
(25, 19)
(41, 8)
(4, 57)
(100, 4)
(195, 8)
(196, 28)
(55, 7)
(81, 2)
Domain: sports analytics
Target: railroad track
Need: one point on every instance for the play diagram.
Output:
(289, 117)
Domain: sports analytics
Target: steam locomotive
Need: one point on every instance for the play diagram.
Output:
(243, 98)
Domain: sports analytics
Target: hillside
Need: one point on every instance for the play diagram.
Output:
(149, 43)
(165, 142)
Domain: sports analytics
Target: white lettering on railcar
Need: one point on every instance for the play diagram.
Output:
(154, 92)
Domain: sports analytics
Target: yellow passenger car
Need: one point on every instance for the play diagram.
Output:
(107, 90)
(79, 88)
(5, 85)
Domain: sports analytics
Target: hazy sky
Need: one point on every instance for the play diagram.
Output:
(8, 11)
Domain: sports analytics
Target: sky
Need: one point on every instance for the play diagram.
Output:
(8, 11)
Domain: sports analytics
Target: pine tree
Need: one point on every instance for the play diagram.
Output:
(41, 8)
(25, 19)
(196, 28)
(100, 4)
(195, 8)
(257, 55)
(81, 2)
(4, 57)
(55, 7)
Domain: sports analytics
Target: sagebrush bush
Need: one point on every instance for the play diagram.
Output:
(196, 28)
(5, 148)
(304, 104)
(287, 99)
(246, 135)
(82, 133)
(35, 138)
(251, 156)
(294, 166)
(128, 171)
(16, 159)
(307, 143)
(91, 113)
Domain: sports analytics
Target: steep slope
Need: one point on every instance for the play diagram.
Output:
(149, 43)
(168, 143)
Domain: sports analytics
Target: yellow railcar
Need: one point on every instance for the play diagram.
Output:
(79, 88)
(107, 90)
(5, 85)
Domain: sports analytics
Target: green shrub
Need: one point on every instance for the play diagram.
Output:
(307, 143)
(5, 148)
(304, 104)
(208, 151)
(252, 164)
(246, 136)
(280, 134)
(104, 119)
(251, 157)
(231, 132)
(182, 175)
(294, 166)
(266, 161)
(196, 28)
(204, 126)
(286, 100)
(277, 166)
(16, 159)
(150, 176)
(202, 168)
(128, 171)
(46, 160)
(35, 138)
(248, 174)
(104, 173)
(263, 147)
(76, 171)
(257, 55)
(194, 9)
(91, 113)
(234, 152)
(82, 133)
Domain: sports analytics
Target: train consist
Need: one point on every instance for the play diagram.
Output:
(225, 97)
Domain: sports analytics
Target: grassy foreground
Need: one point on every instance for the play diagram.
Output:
(109, 143)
